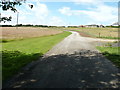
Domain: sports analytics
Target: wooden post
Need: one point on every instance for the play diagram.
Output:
(99, 34)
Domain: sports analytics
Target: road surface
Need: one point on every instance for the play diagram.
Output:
(73, 63)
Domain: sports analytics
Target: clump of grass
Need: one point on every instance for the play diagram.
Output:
(112, 53)
(108, 44)
(6, 40)
(116, 42)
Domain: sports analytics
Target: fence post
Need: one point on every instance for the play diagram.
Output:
(99, 34)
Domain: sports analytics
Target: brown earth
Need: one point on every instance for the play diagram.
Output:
(83, 34)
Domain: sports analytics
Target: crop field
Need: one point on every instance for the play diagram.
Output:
(108, 33)
(11, 33)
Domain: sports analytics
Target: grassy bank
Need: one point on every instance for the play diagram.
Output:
(112, 53)
(17, 54)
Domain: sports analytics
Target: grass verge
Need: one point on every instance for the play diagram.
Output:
(109, 37)
(17, 54)
(112, 53)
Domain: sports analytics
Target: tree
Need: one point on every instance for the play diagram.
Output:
(6, 5)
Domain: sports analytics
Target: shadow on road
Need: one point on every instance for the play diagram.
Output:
(83, 69)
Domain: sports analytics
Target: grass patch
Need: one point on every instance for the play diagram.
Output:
(112, 53)
(17, 54)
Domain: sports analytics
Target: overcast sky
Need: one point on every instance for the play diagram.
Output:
(69, 12)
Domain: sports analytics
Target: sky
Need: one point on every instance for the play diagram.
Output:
(65, 12)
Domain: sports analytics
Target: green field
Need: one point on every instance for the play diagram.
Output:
(17, 54)
(112, 53)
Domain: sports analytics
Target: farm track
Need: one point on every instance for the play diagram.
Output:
(73, 63)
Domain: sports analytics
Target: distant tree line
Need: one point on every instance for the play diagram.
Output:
(6, 26)
(113, 26)
(27, 25)
(30, 25)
